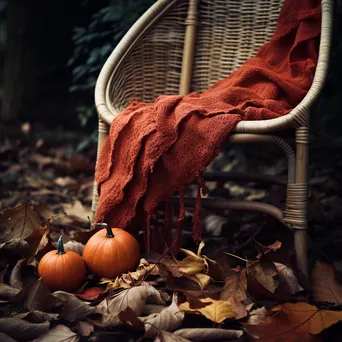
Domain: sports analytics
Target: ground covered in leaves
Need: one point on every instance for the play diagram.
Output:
(239, 284)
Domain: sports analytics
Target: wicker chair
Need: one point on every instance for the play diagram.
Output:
(179, 46)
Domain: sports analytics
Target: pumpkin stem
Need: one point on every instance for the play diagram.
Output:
(60, 246)
(108, 229)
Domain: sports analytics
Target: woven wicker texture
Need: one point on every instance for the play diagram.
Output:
(153, 66)
(229, 32)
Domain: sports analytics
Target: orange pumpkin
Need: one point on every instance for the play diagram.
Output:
(111, 252)
(62, 269)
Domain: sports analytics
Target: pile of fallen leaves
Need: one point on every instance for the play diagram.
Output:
(54, 172)
(189, 298)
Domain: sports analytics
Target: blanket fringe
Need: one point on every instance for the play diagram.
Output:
(179, 224)
(148, 233)
(197, 220)
(168, 224)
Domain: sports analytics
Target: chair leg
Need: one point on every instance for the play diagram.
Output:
(103, 133)
(296, 215)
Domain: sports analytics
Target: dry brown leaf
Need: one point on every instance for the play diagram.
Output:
(292, 322)
(168, 319)
(287, 276)
(184, 283)
(134, 298)
(37, 296)
(17, 223)
(164, 336)
(325, 287)
(15, 279)
(22, 330)
(110, 320)
(14, 246)
(59, 333)
(216, 310)
(8, 293)
(213, 269)
(128, 316)
(74, 309)
(265, 273)
(209, 334)
(235, 284)
(238, 307)
(37, 242)
(37, 316)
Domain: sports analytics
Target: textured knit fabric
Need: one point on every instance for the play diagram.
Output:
(154, 149)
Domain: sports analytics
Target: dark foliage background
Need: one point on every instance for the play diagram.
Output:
(74, 41)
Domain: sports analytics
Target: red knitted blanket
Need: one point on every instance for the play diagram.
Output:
(154, 149)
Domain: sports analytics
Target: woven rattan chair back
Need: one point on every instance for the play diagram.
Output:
(228, 33)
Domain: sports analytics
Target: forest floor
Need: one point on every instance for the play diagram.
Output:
(240, 283)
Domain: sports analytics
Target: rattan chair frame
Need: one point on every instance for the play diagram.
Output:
(111, 81)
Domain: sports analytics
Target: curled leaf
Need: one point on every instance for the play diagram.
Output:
(60, 333)
(37, 316)
(21, 330)
(37, 296)
(265, 273)
(74, 309)
(168, 319)
(287, 276)
(8, 293)
(134, 298)
(209, 334)
(15, 279)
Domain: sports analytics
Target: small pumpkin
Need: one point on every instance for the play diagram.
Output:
(62, 269)
(111, 252)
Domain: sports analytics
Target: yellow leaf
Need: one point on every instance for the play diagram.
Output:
(191, 265)
(200, 247)
(190, 253)
(203, 280)
(215, 310)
